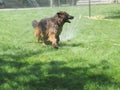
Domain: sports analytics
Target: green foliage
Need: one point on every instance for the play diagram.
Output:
(88, 57)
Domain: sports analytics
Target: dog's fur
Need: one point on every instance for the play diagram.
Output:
(50, 28)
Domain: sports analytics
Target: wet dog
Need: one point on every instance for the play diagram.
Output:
(51, 28)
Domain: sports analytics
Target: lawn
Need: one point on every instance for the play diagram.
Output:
(88, 57)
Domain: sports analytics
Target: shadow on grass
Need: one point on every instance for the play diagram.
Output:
(61, 44)
(16, 73)
(71, 44)
(51, 75)
(114, 15)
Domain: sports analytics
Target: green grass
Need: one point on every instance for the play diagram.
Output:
(88, 57)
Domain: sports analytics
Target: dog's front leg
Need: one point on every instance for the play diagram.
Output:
(44, 41)
(58, 39)
(52, 38)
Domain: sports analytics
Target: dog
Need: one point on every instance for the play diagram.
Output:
(51, 28)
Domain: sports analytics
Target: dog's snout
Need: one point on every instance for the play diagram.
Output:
(71, 17)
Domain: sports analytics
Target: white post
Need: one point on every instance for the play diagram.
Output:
(51, 3)
(59, 2)
(89, 8)
(72, 2)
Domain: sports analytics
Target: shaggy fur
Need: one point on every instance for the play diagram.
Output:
(50, 28)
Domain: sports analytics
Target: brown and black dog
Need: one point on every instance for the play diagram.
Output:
(50, 28)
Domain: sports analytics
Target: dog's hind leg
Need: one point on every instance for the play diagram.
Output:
(37, 34)
(53, 39)
(36, 30)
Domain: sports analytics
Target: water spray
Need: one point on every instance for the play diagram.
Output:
(70, 31)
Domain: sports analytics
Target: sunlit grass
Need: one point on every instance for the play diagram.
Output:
(88, 57)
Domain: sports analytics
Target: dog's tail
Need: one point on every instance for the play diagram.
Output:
(34, 23)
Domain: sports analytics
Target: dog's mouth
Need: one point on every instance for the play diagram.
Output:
(69, 18)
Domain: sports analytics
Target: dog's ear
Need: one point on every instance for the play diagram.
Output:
(60, 13)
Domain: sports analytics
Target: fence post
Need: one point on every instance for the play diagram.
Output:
(72, 2)
(59, 3)
(89, 8)
(51, 3)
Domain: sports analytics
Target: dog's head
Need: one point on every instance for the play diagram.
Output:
(64, 16)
